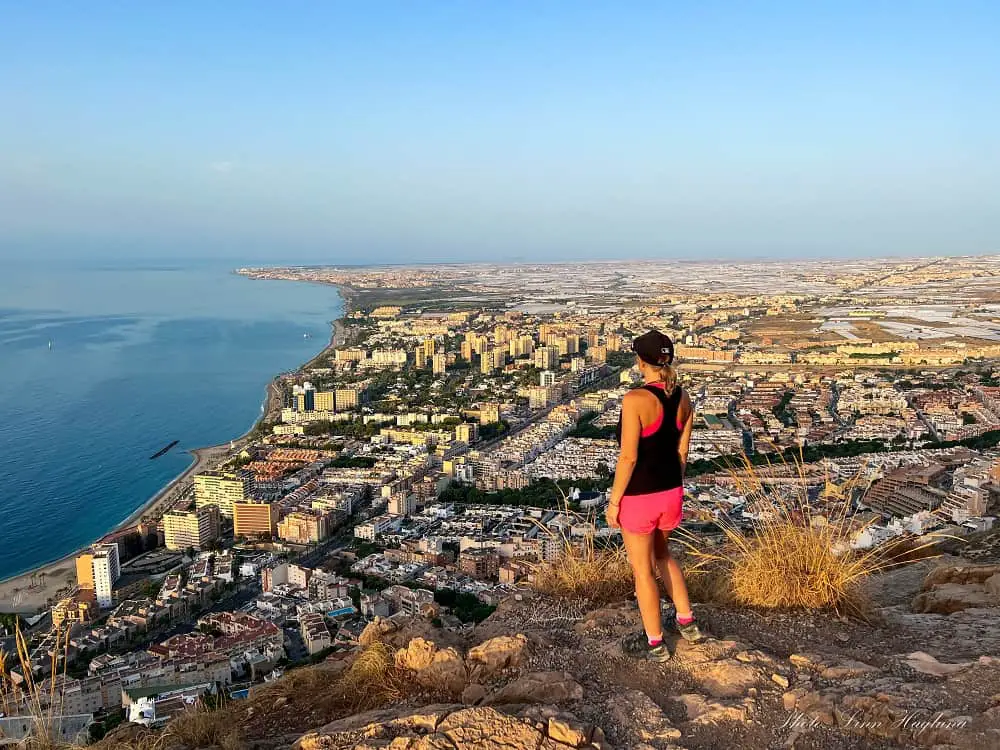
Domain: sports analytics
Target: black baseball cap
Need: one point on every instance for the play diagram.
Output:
(654, 348)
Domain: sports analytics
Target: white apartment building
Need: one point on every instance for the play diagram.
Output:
(376, 527)
(196, 528)
(106, 572)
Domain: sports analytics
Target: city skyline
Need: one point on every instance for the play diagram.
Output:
(515, 133)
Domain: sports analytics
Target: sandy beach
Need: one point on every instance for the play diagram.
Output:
(37, 589)
(32, 590)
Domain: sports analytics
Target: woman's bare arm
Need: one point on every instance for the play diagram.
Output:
(687, 416)
(627, 455)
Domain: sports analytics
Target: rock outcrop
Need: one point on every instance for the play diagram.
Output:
(455, 727)
(544, 674)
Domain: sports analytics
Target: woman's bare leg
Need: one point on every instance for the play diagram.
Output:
(671, 573)
(640, 549)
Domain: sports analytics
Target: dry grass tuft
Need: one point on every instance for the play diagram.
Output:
(200, 727)
(371, 681)
(795, 555)
(585, 572)
(30, 697)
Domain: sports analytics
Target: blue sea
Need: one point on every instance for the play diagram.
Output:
(139, 357)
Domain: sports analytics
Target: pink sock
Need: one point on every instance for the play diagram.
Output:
(655, 641)
(686, 619)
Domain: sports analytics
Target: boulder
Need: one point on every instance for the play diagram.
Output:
(948, 598)
(539, 687)
(496, 654)
(726, 678)
(703, 711)
(436, 669)
(488, 729)
(960, 574)
(568, 731)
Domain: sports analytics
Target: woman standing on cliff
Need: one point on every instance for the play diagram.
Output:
(646, 498)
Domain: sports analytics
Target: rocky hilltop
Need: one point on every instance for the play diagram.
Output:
(546, 673)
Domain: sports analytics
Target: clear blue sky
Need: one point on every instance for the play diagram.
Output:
(375, 131)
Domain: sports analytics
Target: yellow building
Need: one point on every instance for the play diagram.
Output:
(304, 528)
(346, 398)
(386, 311)
(222, 489)
(194, 528)
(79, 608)
(255, 519)
(349, 355)
(85, 570)
(324, 400)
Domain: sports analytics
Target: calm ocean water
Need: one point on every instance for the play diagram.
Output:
(139, 357)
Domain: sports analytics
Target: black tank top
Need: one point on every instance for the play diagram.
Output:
(658, 465)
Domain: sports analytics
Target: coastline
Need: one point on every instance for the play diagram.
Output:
(51, 579)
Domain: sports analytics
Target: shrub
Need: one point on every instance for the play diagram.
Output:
(792, 555)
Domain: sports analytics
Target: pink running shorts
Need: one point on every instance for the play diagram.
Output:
(641, 514)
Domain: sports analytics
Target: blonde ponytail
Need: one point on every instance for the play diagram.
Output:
(669, 377)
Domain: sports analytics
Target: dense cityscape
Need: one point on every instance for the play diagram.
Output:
(459, 432)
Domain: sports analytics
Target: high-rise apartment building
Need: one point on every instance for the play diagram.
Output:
(191, 528)
(502, 334)
(323, 401)
(429, 346)
(304, 396)
(346, 398)
(522, 346)
(486, 361)
(440, 363)
(222, 489)
(547, 377)
(420, 358)
(255, 519)
(546, 358)
(106, 571)
(568, 344)
(538, 396)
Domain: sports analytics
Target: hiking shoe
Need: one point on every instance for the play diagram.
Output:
(637, 646)
(689, 632)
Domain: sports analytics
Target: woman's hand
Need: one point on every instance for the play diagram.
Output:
(611, 514)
